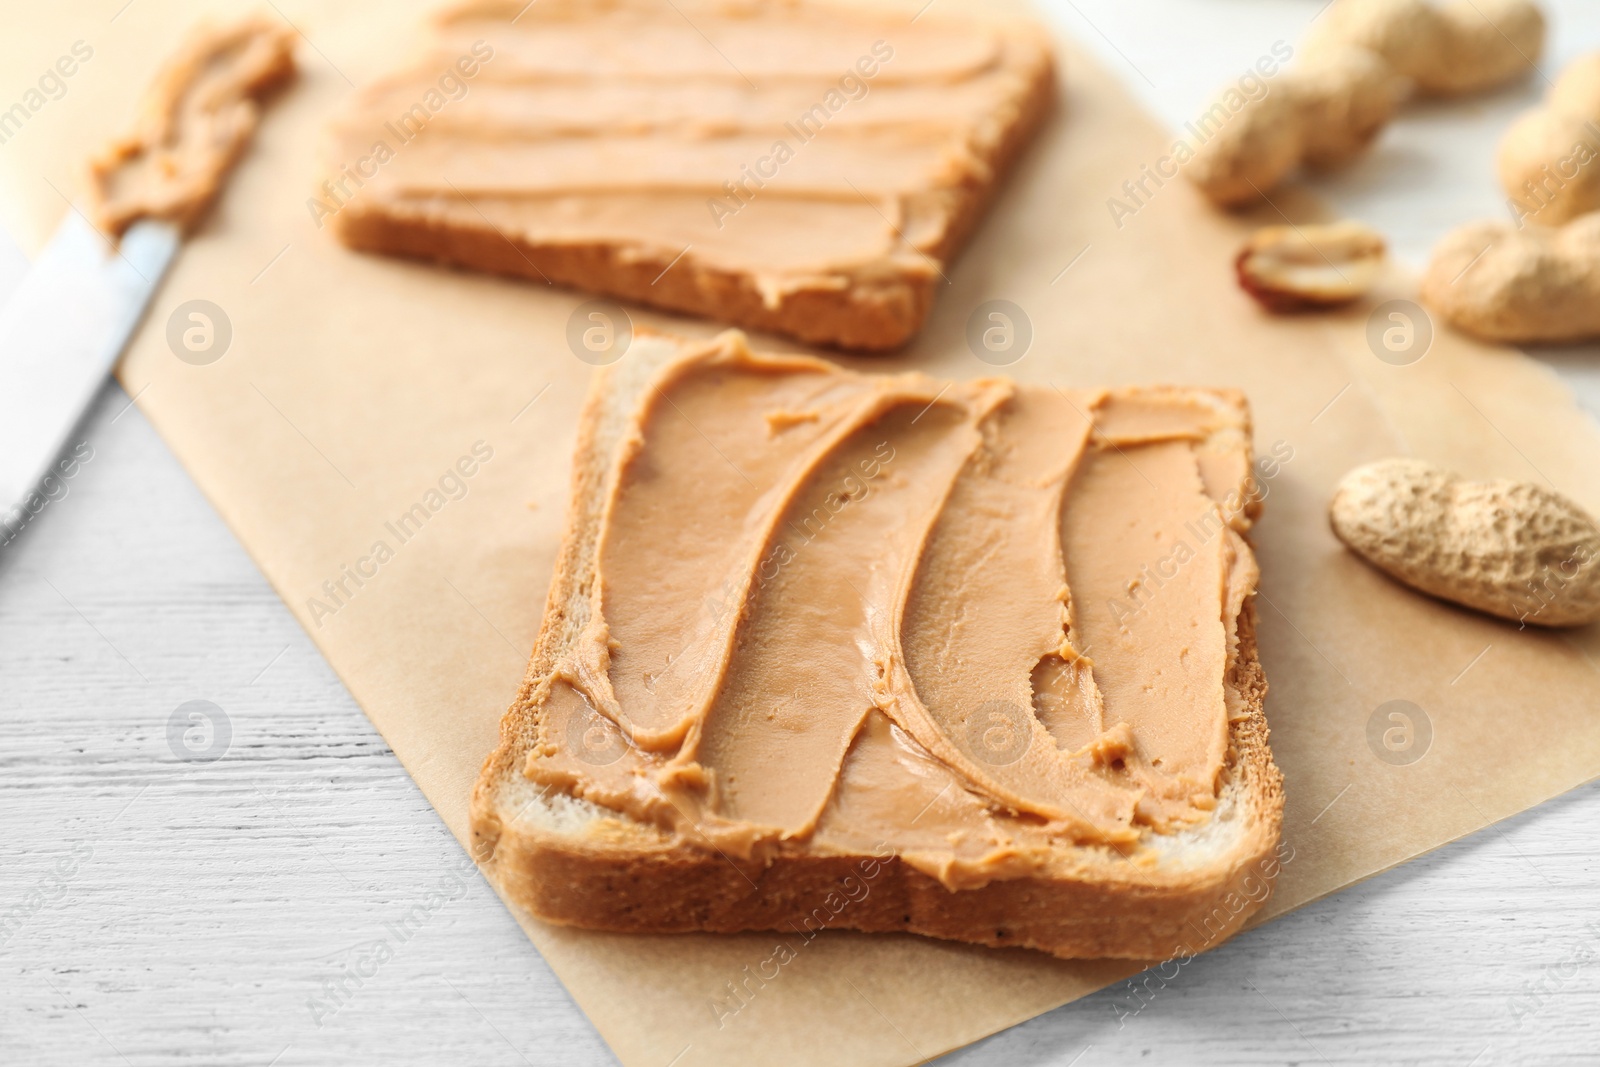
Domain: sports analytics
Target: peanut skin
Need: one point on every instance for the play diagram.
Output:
(1520, 286)
(1507, 548)
(1296, 268)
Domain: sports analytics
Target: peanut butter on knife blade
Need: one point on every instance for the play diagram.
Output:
(194, 120)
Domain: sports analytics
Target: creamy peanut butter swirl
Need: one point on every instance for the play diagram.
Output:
(973, 620)
(808, 145)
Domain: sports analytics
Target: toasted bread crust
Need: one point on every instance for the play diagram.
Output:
(870, 316)
(625, 877)
(1115, 911)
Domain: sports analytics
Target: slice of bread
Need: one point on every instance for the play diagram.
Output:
(791, 166)
(572, 855)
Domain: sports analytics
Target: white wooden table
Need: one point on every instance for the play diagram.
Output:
(160, 911)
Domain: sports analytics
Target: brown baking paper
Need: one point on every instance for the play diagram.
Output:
(354, 384)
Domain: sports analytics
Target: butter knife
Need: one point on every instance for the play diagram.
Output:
(60, 333)
(69, 320)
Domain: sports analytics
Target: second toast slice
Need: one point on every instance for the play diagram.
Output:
(792, 166)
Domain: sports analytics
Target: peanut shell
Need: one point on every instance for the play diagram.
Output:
(1511, 549)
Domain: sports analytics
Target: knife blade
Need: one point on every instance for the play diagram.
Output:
(60, 334)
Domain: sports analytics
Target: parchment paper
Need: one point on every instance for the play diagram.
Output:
(352, 385)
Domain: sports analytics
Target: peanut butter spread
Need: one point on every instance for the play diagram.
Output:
(974, 620)
(193, 122)
(804, 145)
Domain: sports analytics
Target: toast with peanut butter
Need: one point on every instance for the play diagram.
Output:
(823, 649)
(787, 165)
